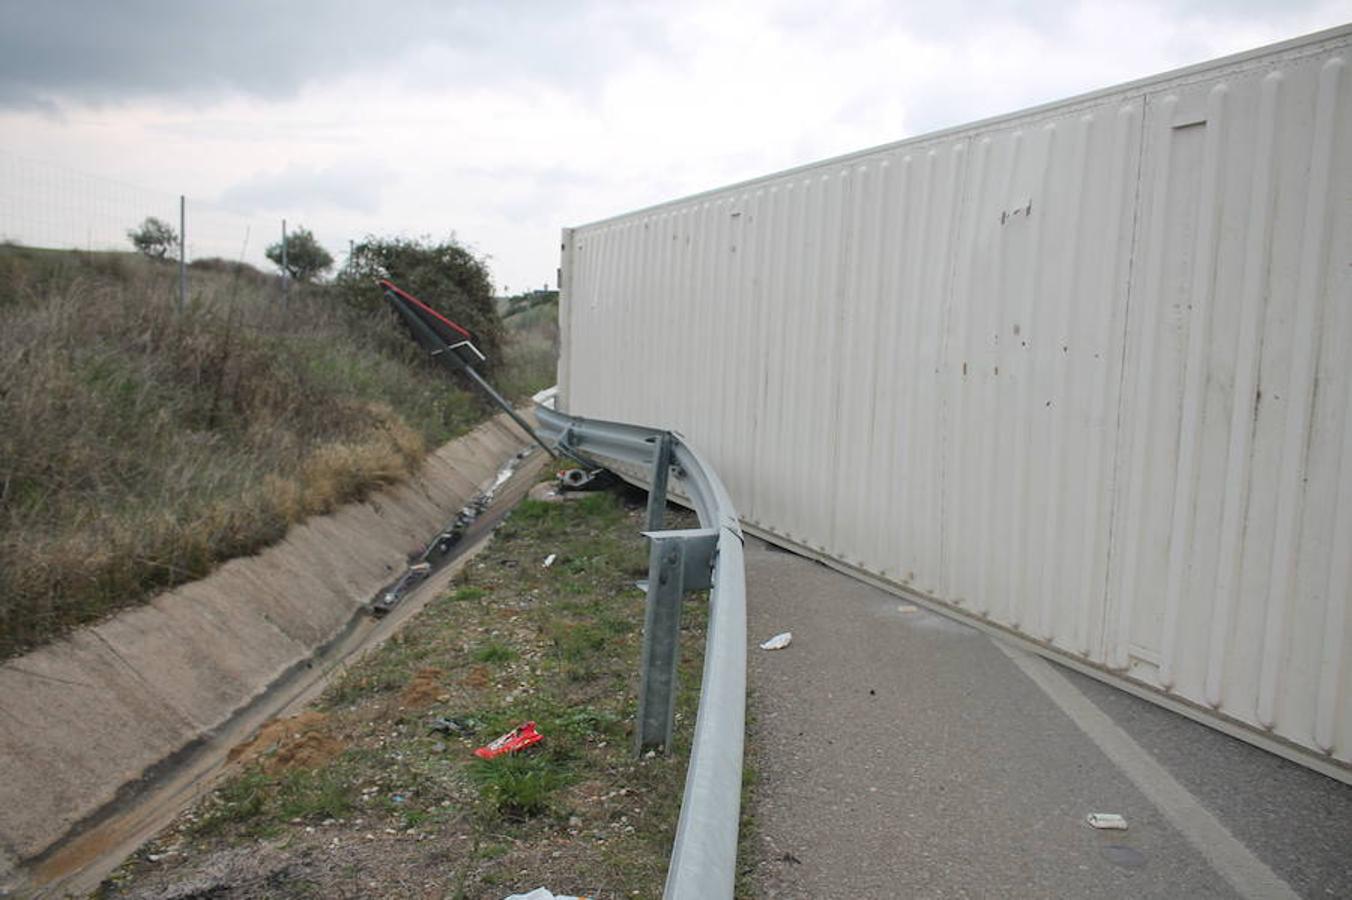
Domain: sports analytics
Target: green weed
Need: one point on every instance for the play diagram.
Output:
(518, 786)
(494, 652)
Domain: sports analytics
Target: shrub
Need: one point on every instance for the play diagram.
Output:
(446, 276)
(155, 238)
(305, 258)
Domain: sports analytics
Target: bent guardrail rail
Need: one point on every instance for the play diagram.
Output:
(704, 856)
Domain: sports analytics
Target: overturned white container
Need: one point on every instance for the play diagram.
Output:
(1082, 373)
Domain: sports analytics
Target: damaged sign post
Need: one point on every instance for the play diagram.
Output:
(454, 346)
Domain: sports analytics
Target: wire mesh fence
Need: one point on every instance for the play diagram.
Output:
(50, 206)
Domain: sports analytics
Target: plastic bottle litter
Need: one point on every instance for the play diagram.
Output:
(519, 738)
(1107, 821)
(778, 642)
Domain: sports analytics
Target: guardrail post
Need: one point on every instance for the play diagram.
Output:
(678, 561)
(661, 649)
(657, 494)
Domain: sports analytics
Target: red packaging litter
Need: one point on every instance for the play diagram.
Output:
(519, 738)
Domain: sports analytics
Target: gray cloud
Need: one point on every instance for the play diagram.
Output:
(349, 187)
(95, 52)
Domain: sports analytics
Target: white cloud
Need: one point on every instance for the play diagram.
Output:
(504, 134)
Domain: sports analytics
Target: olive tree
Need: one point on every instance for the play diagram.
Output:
(305, 258)
(155, 238)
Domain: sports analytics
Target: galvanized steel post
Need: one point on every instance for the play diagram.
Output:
(182, 252)
(657, 494)
(661, 643)
(286, 273)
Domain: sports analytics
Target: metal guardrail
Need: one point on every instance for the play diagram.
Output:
(704, 856)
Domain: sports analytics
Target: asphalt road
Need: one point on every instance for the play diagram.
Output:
(903, 754)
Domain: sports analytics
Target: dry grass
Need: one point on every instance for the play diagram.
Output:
(141, 446)
(533, 351)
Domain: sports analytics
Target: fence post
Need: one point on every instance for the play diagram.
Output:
(286, 274)
(182, 252)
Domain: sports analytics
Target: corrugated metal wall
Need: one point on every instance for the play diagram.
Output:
(1084, 372)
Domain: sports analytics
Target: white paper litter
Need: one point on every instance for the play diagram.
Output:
(542, 894)
(1110, 821)
(778, 642)
(907, 608)
(549, 560)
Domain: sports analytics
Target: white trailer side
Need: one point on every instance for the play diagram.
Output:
(1082, 374)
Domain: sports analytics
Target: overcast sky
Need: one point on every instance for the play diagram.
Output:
(504, 121)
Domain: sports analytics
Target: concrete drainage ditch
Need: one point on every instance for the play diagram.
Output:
(110, 732)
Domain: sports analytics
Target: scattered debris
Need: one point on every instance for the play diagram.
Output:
(462, 725)
(514, 741)
(440, 547)
(406, 582)
(791, 859)
(778, 642)
(908, 608)
(586, 480)
(543, 894)
(549, 560)
(1107, 821)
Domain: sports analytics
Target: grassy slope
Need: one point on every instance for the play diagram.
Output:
(533, 350)
(140, 447)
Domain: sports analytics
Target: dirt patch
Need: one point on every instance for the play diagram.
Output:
(477, 678)
(424, 690)
(296, 742)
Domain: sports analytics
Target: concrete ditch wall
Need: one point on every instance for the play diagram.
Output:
(84, 717)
